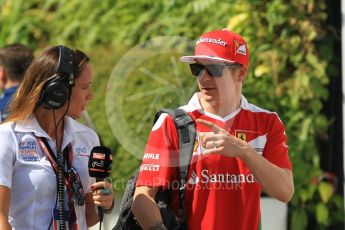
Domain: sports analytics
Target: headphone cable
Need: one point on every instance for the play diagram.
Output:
(60, 176)
(60, 180)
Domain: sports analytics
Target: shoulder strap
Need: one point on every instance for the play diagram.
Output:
(186, 130)
(46, 149)
(171, 112)
(187, 133)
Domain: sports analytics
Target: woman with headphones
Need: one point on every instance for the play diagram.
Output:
(44, 152)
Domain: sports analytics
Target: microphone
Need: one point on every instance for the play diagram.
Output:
(100, 167)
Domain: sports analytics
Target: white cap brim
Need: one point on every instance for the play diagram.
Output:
(203, 57)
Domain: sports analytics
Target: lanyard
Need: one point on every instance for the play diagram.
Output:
(68, 154)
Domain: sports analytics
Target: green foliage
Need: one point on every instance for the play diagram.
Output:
(288, 75)
(137, 71)
(95, 22)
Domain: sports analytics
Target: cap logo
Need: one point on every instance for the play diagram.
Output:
(212, 40)
(240, 48)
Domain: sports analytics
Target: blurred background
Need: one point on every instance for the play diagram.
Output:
(295, 70)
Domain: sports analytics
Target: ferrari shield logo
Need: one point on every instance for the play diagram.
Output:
(241, 136)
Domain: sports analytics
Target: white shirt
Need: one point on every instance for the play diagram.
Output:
(26, 170)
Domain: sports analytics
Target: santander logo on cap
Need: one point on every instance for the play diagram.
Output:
(212, 40)
(220, 46)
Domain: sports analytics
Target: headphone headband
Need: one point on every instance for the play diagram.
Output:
(58, 90)
(65, 65)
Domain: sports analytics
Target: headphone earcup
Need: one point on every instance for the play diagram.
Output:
(55, 94)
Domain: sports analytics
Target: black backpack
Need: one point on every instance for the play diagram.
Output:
(186, 131)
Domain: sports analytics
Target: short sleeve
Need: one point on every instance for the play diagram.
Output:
(7, 157)
(276, 149)
(160, 160)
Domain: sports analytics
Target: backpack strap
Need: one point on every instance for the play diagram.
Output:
(187, 133)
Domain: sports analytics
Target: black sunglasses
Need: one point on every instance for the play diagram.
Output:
(214, 70)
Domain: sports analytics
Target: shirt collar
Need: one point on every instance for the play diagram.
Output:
(194, 104)
(30, 125)
(71, 127)
(10, 90)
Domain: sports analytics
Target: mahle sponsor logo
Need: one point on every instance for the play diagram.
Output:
(154, 156)
(205, 178)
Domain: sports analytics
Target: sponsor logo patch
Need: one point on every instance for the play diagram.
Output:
(206, 177)
(258, 144)
(218, 41)
(194, 179)
(154, 156)
(240, 48)
(149, 167)
(28, 151)
(80, 150)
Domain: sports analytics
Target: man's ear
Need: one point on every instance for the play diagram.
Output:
(243, 73)
(3, 76)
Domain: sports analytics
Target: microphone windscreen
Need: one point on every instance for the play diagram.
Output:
(100, 162)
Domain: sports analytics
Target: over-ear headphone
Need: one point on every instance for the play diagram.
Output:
(57, 90)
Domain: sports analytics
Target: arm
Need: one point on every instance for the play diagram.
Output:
(163, 142)
(7, 159)
(276, 181)
(5, 196)
(145, 208)
(90, 210)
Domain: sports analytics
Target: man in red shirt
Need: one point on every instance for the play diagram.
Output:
(240, 149)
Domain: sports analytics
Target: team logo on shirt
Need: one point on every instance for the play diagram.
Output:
(28, 151)
(242, 136)
(254, 139)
